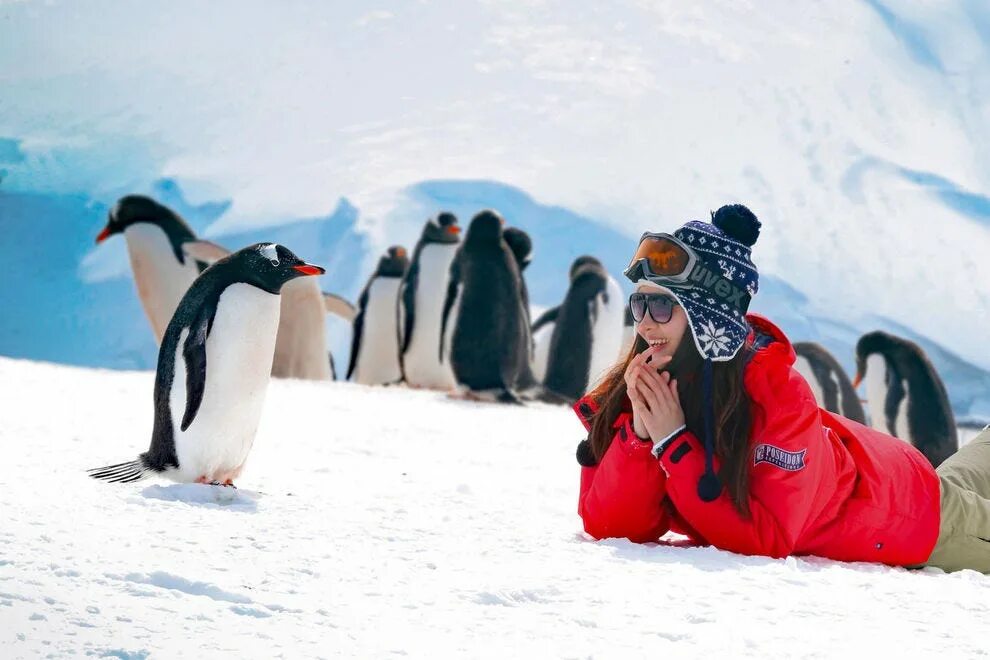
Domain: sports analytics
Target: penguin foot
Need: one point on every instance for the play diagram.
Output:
(229, 483)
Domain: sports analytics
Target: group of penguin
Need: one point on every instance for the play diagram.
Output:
(454, 317)
(904, 393)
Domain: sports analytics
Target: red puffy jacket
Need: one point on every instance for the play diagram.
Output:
(820, 484)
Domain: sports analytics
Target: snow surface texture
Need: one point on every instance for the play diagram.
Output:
(379, 522)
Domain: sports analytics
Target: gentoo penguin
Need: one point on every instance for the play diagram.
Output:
(543, 327)
(905, 395)
(421, 298)
(587, 334)
(377, 337)
(828, 380)
(214, 365)
(301, 347)
(162, 271)
(485, 325)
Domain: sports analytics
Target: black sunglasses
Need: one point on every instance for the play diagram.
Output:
(659, 305)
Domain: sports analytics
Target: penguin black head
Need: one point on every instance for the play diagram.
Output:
(132, 209)
(485, 228)
(444, 229)
(267, 266)
(581, 262)
(393, 263)
(870, 344)
(589, 280)
(521, 245)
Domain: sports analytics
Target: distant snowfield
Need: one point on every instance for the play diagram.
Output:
(381, 522)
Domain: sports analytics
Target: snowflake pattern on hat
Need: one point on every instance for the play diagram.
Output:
(719, 330)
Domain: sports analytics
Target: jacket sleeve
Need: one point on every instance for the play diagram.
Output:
(622, 496)
(788, 459)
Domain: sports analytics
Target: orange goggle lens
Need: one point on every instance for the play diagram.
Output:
(665, 257)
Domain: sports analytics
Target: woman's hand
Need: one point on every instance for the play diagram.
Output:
(638, 366)
(660, 404)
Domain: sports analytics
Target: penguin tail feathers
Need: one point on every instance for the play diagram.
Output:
(121, 473)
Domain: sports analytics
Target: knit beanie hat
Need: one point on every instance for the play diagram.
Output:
(723, 281)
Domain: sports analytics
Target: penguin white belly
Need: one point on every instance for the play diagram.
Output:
(239, 354)
(378, 356)
(161, 280)
(803, 367)
(901, 421)
(606, 333)
(876, 391)
(541, 350)
(301, 345)
(628, 340)
(422, 359)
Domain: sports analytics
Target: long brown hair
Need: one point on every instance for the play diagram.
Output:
(730, 401)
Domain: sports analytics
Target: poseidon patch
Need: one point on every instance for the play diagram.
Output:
(792, 461)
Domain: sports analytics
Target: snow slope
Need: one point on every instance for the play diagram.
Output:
(387, 522)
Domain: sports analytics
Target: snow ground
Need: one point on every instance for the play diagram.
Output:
(376, 523)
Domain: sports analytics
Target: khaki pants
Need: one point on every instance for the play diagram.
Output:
(964, 531)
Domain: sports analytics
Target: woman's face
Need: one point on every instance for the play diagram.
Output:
(668, 334)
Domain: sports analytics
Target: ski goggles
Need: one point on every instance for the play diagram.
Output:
(666, 260)
(662, 259)
(659, 306)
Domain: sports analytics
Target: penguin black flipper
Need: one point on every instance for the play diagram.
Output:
(356, 335)
(194, 354)
(452, 286)
(549, 316)
(409, 285)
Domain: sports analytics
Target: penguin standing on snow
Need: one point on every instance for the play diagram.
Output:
(214, 366)
(485, 326)
(162, 271)
(423, 291)
(587, 334)
(828, 380)
(905, 394)
(377, 337)
(544, 326)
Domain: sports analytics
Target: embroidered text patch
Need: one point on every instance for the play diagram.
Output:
(792, 461)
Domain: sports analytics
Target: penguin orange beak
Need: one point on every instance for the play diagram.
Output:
(454, 230)
(310, 269)
(857, 380)
(104, 235)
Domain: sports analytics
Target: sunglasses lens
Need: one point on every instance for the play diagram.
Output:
(637, 305)
(664, 256)
(661, 308)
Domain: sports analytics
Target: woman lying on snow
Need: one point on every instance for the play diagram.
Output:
(707, 430)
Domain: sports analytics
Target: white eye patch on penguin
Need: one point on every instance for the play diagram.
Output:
(269, 252)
